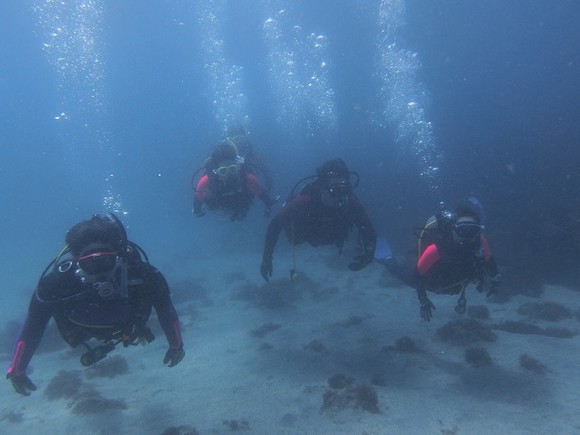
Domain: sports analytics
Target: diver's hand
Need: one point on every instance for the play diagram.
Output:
(198, 211)
(360, 261)
(427, 309)
(266, 268)
(173, 356)
(21, 383)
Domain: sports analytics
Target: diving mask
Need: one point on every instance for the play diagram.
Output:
(98, 263)
(339, 189)
(466, 231)
(229, 168)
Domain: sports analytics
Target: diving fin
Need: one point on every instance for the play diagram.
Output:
(382, 250)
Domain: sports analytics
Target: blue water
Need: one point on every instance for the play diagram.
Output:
(112, 106)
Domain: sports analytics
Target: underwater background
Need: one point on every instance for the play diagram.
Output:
(114, 105)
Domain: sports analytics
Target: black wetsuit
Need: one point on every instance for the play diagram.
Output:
(305, 219)
(80, 313)
(447, 268)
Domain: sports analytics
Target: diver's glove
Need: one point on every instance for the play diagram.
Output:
(198, 211)
(266, 268)
(491, 282)
(427, 309)
(494, 283)
(173, 356)
(21, 383)
(360, 261)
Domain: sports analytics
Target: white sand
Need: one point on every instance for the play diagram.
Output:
(228, 375)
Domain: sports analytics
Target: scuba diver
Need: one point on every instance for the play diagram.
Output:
(101, 286)
(229, 184)
(322, 214)
(452, 253)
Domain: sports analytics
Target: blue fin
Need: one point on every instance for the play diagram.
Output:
(382, 250)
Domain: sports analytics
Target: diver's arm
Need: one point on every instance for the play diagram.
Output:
(28, 339)
(198, 207)
(426, 261)
(272, 235)
(367, 234)
(201, 193)
(489, 271)
(161, 301)
(257, 189)
(490, 267)
(426, 307)
(421, 292)
(266, 268)
(261, 165)
(489, 264)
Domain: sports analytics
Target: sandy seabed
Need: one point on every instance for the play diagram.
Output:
(336, 352)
